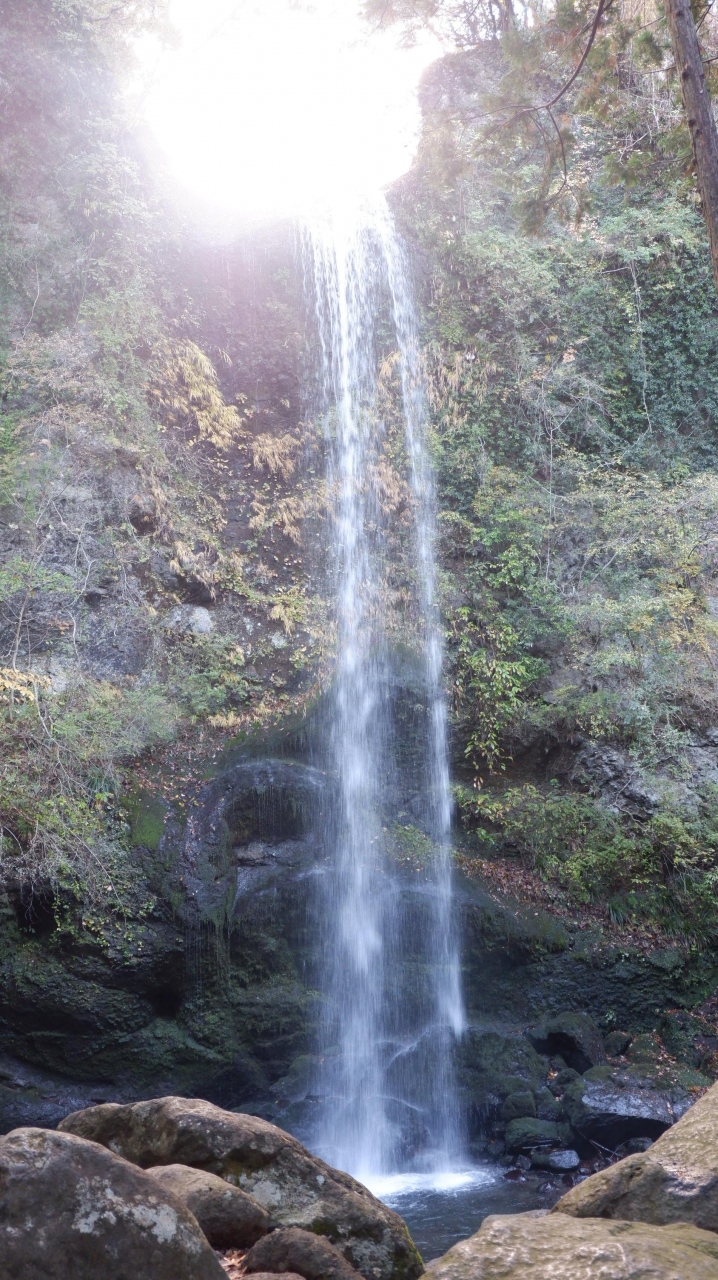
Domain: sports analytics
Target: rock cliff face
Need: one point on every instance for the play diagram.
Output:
(166, 642)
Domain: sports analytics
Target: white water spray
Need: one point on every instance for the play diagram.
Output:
(391, 967)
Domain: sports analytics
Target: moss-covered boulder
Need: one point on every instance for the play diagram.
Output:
(527, 1247)
(527, 1134)
(493, 1065)
(676, 1180)
(518, 1105)
(610, 1106)
(295, 1187)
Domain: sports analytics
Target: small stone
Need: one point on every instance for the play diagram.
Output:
(547, 1107)
(190, 620)
(556, 1161)
(616, 1043)
(632, 1146)
(524, 1135)
(645, 1048)
(562, 1080)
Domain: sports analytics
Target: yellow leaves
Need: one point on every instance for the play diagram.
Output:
(275, 453)
(389, 487)
(185, 393)
(195, 565)
(283, 513)
(22, 686)
(290, 608)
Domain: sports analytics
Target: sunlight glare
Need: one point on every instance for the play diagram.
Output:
(276, 108)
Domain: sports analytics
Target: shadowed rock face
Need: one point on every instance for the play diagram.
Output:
(676, 1180)
(574, 1036)
(229, 1218)
(527, 1247)
(71, 1210)
(294, 1187)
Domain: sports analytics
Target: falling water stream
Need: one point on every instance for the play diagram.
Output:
(391, 964)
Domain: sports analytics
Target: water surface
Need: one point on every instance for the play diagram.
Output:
(442, 1209)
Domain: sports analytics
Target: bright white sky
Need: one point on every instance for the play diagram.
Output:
(271, 107)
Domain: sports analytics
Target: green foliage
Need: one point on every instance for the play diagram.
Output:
(60, 773)
(572, 354)
(666, 869)
(209, 674)
(104, 724)
(491, 685)
(409, 845)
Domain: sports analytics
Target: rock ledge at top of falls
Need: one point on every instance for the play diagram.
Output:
(529, 1246)
(676, 1180)
(295, 1187)
(71, 1210)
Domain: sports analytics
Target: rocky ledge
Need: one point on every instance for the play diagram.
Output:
(653, 1214)
(562, 1100)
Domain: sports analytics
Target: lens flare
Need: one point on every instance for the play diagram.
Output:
(278, 108)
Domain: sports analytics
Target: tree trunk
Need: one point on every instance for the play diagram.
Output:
(699, 110)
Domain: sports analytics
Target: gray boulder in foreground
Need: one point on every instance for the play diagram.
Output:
(295, 1187)
(676, 1180)
(70, 1210)
(229, 1218)
(526, 1246)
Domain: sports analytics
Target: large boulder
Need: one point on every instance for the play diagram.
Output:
(676, 1180)
(571, 1036)
(229, 1218)
(295, 1187)
(71, 1210)
(528, 1247)
(610, 1106)
(294, 1250)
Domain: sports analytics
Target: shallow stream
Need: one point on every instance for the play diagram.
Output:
(441, 1209)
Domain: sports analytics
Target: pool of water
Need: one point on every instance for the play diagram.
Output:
(440, 1209)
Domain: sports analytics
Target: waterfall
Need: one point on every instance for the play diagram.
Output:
(390, 958)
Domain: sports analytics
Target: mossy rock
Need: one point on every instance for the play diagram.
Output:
(492, 1065)
(528, 1246)
(527, 1133)
(676, 1180)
